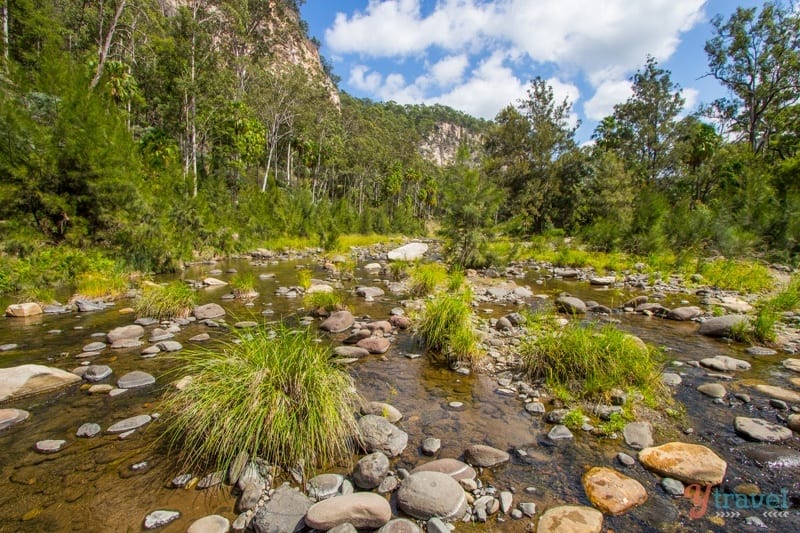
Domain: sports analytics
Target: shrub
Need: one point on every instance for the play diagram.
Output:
(174, 300)
(272, 394)
(589, 362)
(426, 277)
(445, 327)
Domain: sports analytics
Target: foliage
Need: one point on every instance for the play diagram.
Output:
(330, 301)
(243, 284)
(743, 276)
(787, 298)
(590, 361)
(174, 300)
(304, 278)
(272, 394)
(445, 326)
(426, 277)
(574, 419)
(614, 424)
(102, 284)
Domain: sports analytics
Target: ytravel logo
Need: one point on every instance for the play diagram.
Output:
(728, 504)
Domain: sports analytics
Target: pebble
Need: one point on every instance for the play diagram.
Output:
(560, 432)
(673, 487)
(160, 518)
(50, 446)
(625, 459)
(88, 430)
(11, 417)
(431, 445)
(210, 524)
(528, 509)
(7, 347)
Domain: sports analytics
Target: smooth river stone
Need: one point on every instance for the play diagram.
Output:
(638, 435)
(169, 346)
(135, 379)
(23, 309)
(570, 519)
(612, 492)
(380, 435)
(283, 513)
(133, 331)
(363, 510)
(689, 463)
(338, 322)
(403, 525)
(97, 372)
(376, 345)
(207, 311)
(20, 381)
(485, 456)
(720, 326)
(88, 430)
(712, 390)
(723, 363)
(324, 486)
(94, 347)
(425, 495)
(390, 413)
(779, 393)
(452, 467)
(50, 446)
(129, 424)
(160, 518)
(761, 430)
(11, 417)
(210, 524)
(792, 364)
(8, 347)
(409, 252)
(350, 352)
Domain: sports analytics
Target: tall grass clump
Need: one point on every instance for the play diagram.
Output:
(244, 285)
(426, 277)
(589, 361)
(330, 301)
(112, 284)
(742, 276)
(787, 299)
(304, 278)
(456, 280)
(272, 394)
(759, 329)
(174, 300)
(445, 326)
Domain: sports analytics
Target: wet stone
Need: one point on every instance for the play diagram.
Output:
(638, 435)
(245, 324)
(97, 372)
(135, 379)
(151, 351)
(210, 524)
(779, 393)
(485, 456)
(11, 417)
(102, 388)
(560, 432)
(760, 351)
(572, 519)
(126, 343)
(403, 525)
(283, 513)
(50, 446)
(132, 423)
(145, 321)
(200, 338)
(536, 408)
(431, 445)
(8, 347)
(673, 487)
(169, 346)
(761, 430)
(671, 379)
(158, 335)
(723, 363)
(116, 392)
(88, 430)
(94, 347)
(612, 492)
(324, 486)
(712, 390)
(181, 481)
(211, 480)
(160, 518)
(625, 459)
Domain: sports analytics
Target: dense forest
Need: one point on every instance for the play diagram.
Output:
(159, 131)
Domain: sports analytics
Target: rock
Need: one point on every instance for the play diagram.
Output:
(25, 380)
(570, 305)
(134, 331)
(384, 326)
(452, 467)
(135, 379)
(210, 524)
(376, 345)
(370, 470)
(358, 335)
(506, 501)
(485, 456)
(159, 334)
(612, 492)
(169, 346)
(103, 388)
(246, 324)
(603, 281)
(382, 409)
(723, 363)
(625, 459)
(673, 487)
(684, 313)
(96, 372)
(50, 446)
(436, 525)
(126, 343)
(560, 432)
(570, 519)
(689, 463)
(129, 424)
(337, 322)
(85, 306)
(403, 525)
(372, 266)
(651, 309)
(721, 326)
(503, 324)
(425, 495)
(350, 352)
(779, 392)
(761, 430)
(380, 435)
(211, 480)
(793, 422)
(94, 347)
(536, 408)
(528, 509)
(324, 486)
(160, 518)
(8, 347)
(735, 305)
(200, 337)
(23, 310)
(431, 445)
(389, 484)
(712, 390)
(409, 252)
(364, 510)
(635, 302)
(88, 430)
(760, 351)
(792, 364)
(283, 513)
(151, 351)
(214, 282)
(250, 496)
(347, 527)
(319, 288)
(369, 293)
(400, 322)
(638, 435)
(11, 417)
(208, 311)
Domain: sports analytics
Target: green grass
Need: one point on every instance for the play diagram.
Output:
(574, 419)
(590, 361)
(112, 284)
(243, 284)
(398, 269)
(272, 394)
(174, 300)
(330, 301)
(759, 329)
(445, 326)
(742, 276)
(304, 278)
(788, 299)
(456, 280)
(426, 277)
(614, 424)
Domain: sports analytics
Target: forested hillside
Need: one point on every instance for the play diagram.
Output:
(158, 131)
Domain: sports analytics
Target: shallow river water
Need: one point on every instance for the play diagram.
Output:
(91, 485)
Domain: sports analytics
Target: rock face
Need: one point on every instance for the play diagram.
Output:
(283, 513)
(485, 456)
(452, 467)
(761, 430)
(425, 495)
(363, 510)
(570, 519)
(20, 381)
(337, 322)
(720, 326)
(207, 311)
(134, 331)
(23, 310)
(690, 463)
(410, 252)
(612, 492)
(380, 435)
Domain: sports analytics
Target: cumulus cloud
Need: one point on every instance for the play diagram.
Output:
(606, 96)
(362, 79)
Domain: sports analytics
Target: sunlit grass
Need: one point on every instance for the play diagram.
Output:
(272, 394)
(112, 284)
(445, 326)
(243, 284)
(426, 277)
(174, 300)
(742, 276)
(304, 278)
(330, 301)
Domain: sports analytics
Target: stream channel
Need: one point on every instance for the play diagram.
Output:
(91, 486)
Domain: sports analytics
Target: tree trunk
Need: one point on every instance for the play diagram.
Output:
(4, 19)
(105, 44)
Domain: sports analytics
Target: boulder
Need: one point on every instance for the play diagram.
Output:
(425, 495)
(210, 524)
(24, 309)
(380, 435)
(779, 393)
(452, 467)
(570, 519)
(25, 380)
(570, 305)
(375, 345)
(612, 492)
(638, 435)
(721, 326)
(723, 363)
(338, 322)
(689, 463)
(370, 470)
(133, 331)
(683, 314)
(760, 430)
(485, 456)
(363, 510)
(284, 512)
(409, 252)
(208, 311)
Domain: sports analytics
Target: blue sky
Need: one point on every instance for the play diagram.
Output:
(479, 55)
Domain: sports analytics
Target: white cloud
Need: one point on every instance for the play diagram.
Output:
(449, 70)
(608, 94)
(362, 79)
(692, 97)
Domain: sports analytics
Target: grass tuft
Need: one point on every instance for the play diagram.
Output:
(330, 301)
(742, 276)
(304, 278)
(445, 327)
(174, 300)
(271, 394)
(426, 277)
(111, 284)
(244, 285)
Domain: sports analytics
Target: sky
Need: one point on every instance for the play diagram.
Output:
(478, 56)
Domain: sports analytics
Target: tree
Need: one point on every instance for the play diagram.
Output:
(757, 58)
